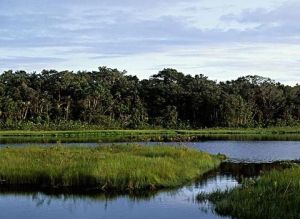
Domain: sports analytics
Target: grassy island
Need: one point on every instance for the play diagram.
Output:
(107, 168)
(274, 195)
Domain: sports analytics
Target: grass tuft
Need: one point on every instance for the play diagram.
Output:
(274, 195)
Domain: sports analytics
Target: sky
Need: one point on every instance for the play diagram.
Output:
(222, 39)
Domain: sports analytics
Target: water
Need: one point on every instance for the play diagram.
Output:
(146, 138)
(181, 203)
(239, 151)
(252, 151)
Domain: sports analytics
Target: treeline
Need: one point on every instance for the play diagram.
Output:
(108, 98)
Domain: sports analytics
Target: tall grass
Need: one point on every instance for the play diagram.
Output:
(127, 167)
(274, 195)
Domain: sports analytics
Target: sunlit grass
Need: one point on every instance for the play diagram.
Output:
(274, 195)
(127, 167)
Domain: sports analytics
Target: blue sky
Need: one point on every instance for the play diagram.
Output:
(223, 39)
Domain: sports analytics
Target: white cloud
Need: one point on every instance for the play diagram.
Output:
(223, 39)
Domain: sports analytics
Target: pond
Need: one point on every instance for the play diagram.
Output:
(250, 158)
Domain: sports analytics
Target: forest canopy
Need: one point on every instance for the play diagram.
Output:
(109, 98)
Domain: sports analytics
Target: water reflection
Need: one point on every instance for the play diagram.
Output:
(251, 158)
(178, 203)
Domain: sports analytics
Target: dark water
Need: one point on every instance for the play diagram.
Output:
(177, 204)
(251, 157)
(180, 203)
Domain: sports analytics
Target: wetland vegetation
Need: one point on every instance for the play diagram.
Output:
(108, 105)
(275, 194)
(158, 135)
(107, 168)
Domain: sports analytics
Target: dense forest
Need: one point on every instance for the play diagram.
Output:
(109, 99)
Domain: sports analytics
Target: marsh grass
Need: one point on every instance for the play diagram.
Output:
(274, 195)
(156, 135)
(145, 132)
(119, 167)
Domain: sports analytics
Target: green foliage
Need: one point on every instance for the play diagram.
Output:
(122, 168)
(111, 99)
(274, 195)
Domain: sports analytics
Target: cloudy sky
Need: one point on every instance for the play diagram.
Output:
(222, 39)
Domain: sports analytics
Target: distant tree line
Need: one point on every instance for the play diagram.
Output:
(109, 98)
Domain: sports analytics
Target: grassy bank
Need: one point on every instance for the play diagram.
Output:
(216, 131)
(274, 195)
(157, 135)
(121, 168)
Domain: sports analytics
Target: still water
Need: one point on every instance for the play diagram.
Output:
(251, 158)
(240, 151)
(252, 151)
(171, 204)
